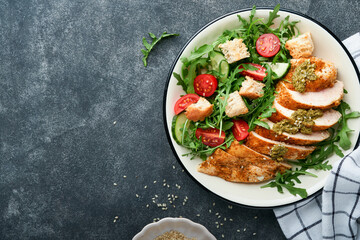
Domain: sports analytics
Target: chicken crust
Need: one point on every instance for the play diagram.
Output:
(325, 71)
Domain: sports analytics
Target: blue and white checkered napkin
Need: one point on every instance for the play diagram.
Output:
(335, 214)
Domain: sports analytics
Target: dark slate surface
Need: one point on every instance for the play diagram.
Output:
(79, 111)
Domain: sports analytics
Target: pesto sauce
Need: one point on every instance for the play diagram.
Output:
(278, 151)
(301, 121)
(302, 73)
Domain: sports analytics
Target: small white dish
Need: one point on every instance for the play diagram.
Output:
(327, 47)
(183, 225)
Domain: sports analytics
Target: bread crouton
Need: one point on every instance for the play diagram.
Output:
(235, 105)
(301, 46)
(199, 111)
(251, 89)
(234, 50)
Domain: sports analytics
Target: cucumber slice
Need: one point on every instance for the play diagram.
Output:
(178, 125)
(218, 62)
(280, 69)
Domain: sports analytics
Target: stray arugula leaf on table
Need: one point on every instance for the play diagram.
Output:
(155, 40)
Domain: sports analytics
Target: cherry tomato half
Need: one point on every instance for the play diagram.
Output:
(268, 45)
(210, 136)
(205, 85)
(184, 102)
(240, 129)
(257, 74)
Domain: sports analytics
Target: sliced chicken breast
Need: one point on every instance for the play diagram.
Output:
(245, 153)
(324, 99)
(233, 169)
(325, 71)
(298, 138)
(264, 146)
(330, 117)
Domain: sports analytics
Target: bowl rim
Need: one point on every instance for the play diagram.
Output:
(173, 219)
(178, 57)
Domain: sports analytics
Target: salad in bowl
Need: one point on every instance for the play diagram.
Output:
(260, 105)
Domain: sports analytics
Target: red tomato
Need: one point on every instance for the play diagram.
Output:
(205, 85)
(184, 102)
(268, 45)
(240, 129)
(257, 74)
(210, 136)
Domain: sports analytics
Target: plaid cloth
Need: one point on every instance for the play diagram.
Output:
(334, 214)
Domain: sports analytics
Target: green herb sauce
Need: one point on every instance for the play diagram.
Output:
(301, 121)
(302, 73)
(278, 151)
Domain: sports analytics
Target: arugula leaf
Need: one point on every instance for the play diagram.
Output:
(197, 53)
(344, 140)
(287, 180)
(180, 81)
(262, 124)
(273, 15)
(155, 40)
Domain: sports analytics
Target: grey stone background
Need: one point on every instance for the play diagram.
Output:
(79, 111)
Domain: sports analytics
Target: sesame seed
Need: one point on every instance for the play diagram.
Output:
(137, 195)
(124, 176)
(154, 182)
(244, 229)
(238, 230)
(255, 217)
(116, 217)
(145, 186)
(115, 184)
(198, 215)
(173, 167)
(114, 122)
(254, 234)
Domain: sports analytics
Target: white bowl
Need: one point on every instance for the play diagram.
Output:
(327, 46)
(183, 225)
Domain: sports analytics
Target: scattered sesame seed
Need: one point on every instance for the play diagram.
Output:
(124, 176)
(182, 170)
(154, 181)
(115, 184)
(147, 205)
(254, 234)
(114, 122)
(145, 186)
(137, 195)
(216, 213)
(238, 230)
(230, 207)
(116, 217)
(164, 180)
(213, 204)
(244, 229)
(209, 210)
(198, 215)
(114, 220)
(255, 217)
(173, 167)
(231, 219)
(222, 235)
